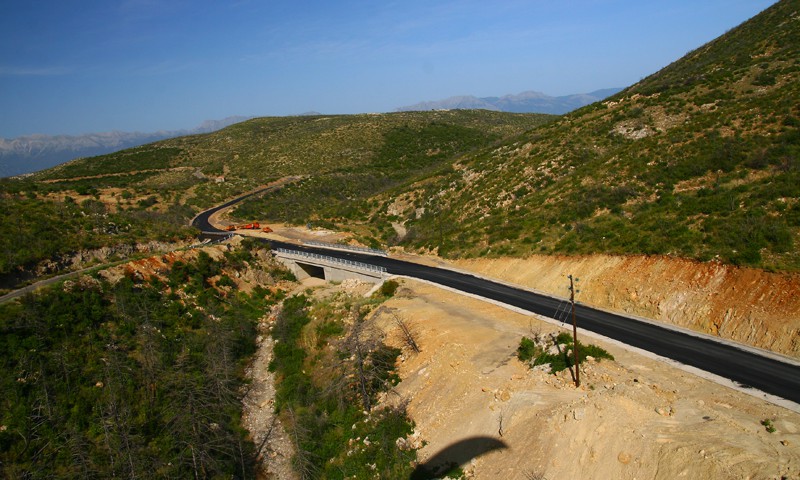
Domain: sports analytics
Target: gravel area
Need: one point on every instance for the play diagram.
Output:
(269, 436)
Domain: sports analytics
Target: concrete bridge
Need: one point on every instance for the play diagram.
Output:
(331, 269)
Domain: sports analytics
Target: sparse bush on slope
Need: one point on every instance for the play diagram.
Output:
(700, 160)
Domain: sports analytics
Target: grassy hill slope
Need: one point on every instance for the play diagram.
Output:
(151, 191)
(253, 152)
(698, 160)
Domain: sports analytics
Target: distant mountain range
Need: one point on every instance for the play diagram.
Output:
(31, 153)
(525, 102)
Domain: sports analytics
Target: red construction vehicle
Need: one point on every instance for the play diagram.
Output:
(248, 226)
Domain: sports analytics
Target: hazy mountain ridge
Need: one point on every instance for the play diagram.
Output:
(30, 153)
(525, 102)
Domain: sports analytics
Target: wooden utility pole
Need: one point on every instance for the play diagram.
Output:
(574, 330)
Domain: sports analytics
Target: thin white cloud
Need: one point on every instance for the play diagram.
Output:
(165, 67)
(443, 28)
(16, 71)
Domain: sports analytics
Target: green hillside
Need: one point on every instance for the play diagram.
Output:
(251, 153)
(698, 160)
(151, 192)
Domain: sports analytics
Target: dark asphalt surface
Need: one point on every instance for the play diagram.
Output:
(744, 367)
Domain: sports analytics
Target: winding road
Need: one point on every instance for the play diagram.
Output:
(745, 366)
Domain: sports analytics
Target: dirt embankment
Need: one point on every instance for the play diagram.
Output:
(635, 417)
(631, 418)
(745, 305)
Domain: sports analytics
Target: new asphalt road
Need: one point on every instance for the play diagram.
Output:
(743, 366)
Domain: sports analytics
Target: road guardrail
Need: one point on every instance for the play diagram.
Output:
(350, 263)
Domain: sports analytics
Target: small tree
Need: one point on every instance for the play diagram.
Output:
(371, 362)
(389, 288)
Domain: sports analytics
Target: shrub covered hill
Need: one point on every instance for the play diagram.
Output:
(150, 192)
(697, 160)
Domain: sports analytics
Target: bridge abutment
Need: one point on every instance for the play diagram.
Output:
(306, 265)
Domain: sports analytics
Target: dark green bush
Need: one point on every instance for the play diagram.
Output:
(527, 349)
(388, 288)
(528, 352)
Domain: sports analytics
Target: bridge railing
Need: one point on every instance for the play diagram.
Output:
(340, 261)
(215, 237)
(373, 251)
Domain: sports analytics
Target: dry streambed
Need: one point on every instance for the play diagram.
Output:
(258, 416)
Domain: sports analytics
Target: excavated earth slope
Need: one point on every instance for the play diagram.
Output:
(745, 305)
(634, 417)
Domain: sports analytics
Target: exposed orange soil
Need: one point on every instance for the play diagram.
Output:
(745, 305)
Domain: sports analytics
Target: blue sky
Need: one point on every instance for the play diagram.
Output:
(80, 66)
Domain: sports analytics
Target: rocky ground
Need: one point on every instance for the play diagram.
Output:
(274, 446)
(634, 417)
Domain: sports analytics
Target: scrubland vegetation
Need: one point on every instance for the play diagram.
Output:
(151, 191)
(539, 351)
(144, 377)
(699, 160)
(138, 378)
(37, 229)
(331, 365)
